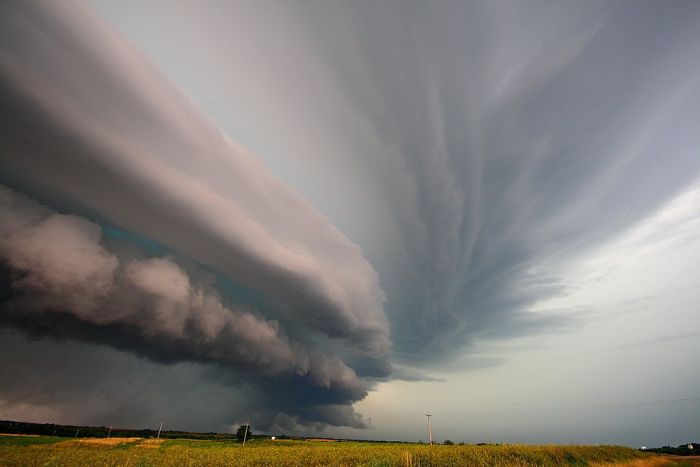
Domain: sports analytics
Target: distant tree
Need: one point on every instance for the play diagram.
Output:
(448, 443)
(241, 432)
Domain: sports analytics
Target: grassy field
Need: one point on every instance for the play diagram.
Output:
(53, 451)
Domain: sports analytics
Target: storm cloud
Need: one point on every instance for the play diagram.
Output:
(120, 140)
(470, 148)
(420, 175)
(528, 134)
(57, 265)
(116, 141)
(63, 283)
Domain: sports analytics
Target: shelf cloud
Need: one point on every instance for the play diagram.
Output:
(421, 178)
(97, 130)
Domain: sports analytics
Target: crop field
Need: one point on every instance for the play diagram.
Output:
(54, 451)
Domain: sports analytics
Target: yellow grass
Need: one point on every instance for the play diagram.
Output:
(135, 452)
(649, 462)
(96, 442)
(150, 443)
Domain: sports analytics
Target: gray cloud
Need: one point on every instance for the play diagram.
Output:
(504, 137)
(60, 281)
(122, 145)
(467, 148)
(120, 140)
(658, 340)
(56, 265)
(406, 374)
(80, 383)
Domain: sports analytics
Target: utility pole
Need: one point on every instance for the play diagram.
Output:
(161, 427)
(245, 433)
(430, 428)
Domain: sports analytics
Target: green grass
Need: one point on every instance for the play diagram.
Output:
(50, 451)
(28, 440)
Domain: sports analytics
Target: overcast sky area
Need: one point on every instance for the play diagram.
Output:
(327, 218)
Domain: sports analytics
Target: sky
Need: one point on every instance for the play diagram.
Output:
(328, 218)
